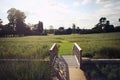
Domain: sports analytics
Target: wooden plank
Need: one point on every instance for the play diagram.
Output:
(71, 61)
(75, 73)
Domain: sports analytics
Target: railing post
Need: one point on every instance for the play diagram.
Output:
(53, 52)
(77, 51)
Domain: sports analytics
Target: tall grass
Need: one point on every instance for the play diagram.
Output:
(101, 71)
(25, 47)
(29, 70)
(94, 43)
(38, 46)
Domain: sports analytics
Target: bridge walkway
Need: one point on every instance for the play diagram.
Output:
(75, 73)
(67, 67)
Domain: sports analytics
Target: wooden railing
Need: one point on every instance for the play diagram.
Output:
(58, 64)
(61, 69)
(53, 53)
(77, 51)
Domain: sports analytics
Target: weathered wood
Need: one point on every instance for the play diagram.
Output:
(66, 66)
(71, 61)
(58, 63)
(77, 51)
(61, 69)
(53, 52)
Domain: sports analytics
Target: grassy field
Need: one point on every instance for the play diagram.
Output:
(93, 45)
(99, 44)
(29, 70)
(38, 46)
(25, 47)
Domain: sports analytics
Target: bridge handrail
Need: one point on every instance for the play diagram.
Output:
(61, 69)
(53, 52)
(57, 63)
(77, 51)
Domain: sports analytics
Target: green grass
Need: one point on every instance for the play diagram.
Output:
(38, 46)
(99, 71)
(26, 47)
(65, 47)
(94, 43)
(31, 70)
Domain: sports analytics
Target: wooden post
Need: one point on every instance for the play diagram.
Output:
(53, 52)
(77, 51)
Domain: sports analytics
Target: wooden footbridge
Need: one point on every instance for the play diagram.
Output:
(67, 67)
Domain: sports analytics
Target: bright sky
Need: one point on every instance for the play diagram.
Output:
(63, 13)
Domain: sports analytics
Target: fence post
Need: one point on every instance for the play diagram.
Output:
(77, 51)
(53, 52)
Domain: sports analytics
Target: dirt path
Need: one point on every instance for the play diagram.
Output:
(76, 74)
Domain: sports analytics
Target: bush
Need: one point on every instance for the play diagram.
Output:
(107, 52)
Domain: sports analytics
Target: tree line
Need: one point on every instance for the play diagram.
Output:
(103, 26)
(17, 25)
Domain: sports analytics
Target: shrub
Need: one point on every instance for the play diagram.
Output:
(107, 52)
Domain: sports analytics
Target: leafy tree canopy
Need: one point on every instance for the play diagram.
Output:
(14, 14)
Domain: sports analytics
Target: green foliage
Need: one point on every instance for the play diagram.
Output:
(31, 70)
(108, 53)
(38, 46)
(100, 71)
(91, 44)
(26, 47)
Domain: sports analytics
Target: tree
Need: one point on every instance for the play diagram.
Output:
(51, 30)
(16, 20)
(1, 24)
(74, 28)
(97, 28)
(60, 31)
(78, 30)
(20, 27)
(117, 28)
(11, 16)
(102, 20)
(1, 21)
(108, 27)
(103, 26)
(69, 31)
(61, 28)
(40, 27)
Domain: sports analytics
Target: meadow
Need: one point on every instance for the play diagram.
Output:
(25, 70)
(93, 45)
(105, 45)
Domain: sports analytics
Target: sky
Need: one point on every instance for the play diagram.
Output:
(63, 13)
